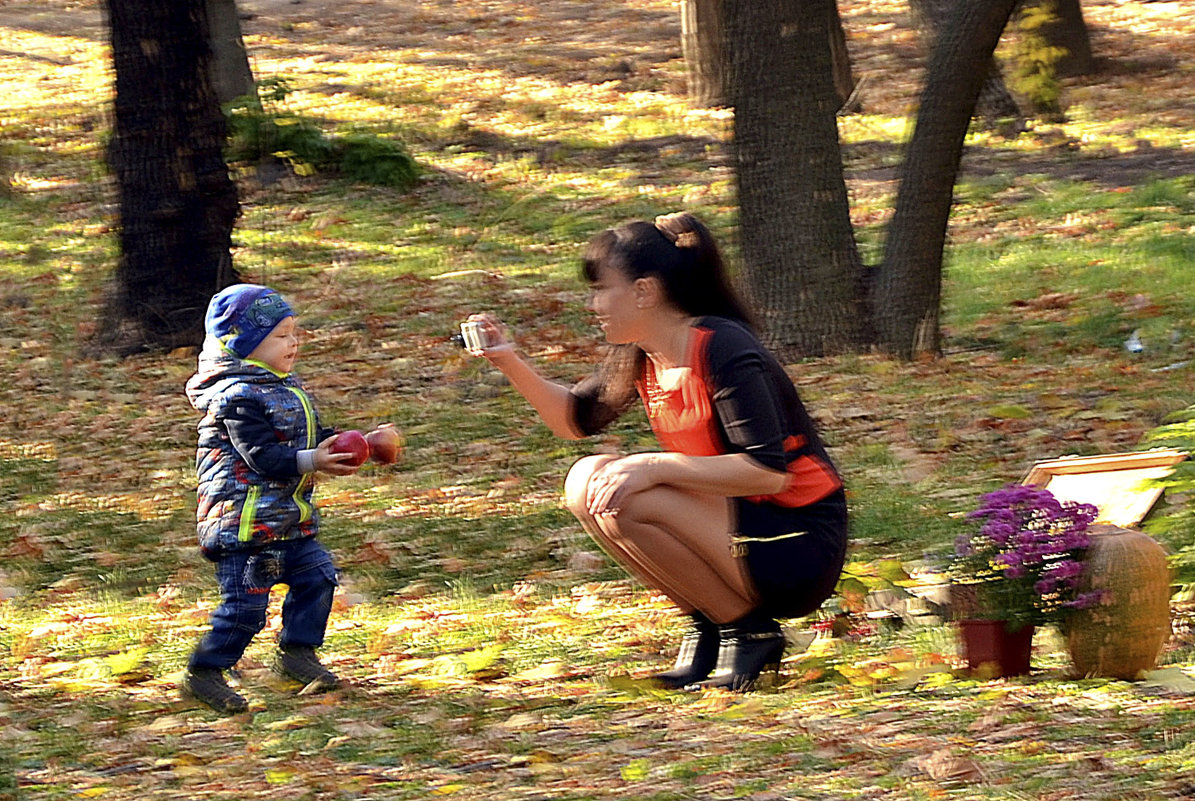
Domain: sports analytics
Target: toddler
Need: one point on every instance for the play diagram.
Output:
(260, 445)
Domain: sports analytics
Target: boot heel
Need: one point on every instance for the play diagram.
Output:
(771, 668)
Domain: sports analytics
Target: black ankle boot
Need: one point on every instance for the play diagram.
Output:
(697, 657)
(209, 686)
(749, 646)
(300, 663)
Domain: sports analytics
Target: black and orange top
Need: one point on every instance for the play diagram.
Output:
(735, 398)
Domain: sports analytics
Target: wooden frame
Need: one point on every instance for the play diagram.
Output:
(1116, 484)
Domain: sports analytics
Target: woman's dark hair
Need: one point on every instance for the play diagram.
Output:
(681, 253)
(678, 250)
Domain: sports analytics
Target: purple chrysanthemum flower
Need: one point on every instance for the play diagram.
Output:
(1025, 554)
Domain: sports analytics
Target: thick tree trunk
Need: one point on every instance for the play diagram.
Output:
(844, 78)
(231, 75)
(177, 202)
(802, 270)
(702, 43)
(1069, 32)
(995, 101)
(910, 281)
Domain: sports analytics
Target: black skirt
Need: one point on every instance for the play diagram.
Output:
(794, 555)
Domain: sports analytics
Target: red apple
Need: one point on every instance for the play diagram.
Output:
(351, 442)
(385, 444)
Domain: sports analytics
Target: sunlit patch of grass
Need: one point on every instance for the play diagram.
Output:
(519, 107)
(863, 128)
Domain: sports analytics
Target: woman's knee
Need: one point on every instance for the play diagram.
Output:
(576, 483)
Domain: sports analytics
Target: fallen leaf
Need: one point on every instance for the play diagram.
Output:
(945, 765)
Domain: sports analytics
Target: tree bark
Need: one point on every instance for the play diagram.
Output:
(177, 202)
(703, 46)
(909, 288)
(995, 101)
(802, 270)
(1069, 32)
(231, 75)
(844, 77)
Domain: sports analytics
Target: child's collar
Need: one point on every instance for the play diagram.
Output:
(265, 367)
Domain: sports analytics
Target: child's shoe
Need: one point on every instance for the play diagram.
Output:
(209, 686)
(300, 663)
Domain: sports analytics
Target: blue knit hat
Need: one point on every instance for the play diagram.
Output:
(242, 315)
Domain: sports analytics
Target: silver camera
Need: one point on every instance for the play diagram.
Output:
(473, 336)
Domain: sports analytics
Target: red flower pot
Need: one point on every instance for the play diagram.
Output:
(990, 642)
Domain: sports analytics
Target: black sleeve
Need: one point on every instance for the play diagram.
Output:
(591, 414)
(747, 405)
(253, 437)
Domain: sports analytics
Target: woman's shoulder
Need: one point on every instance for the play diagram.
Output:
(727, 334)
(729, 346)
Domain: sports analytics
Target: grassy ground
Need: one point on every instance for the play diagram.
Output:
(491, 653)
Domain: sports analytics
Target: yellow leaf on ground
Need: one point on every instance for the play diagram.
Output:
(552, 669)
(293, 722)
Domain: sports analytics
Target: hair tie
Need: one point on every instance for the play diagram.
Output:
(663, 229)
(682, 239)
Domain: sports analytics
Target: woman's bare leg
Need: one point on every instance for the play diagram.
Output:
(644, 573)
(670, 539)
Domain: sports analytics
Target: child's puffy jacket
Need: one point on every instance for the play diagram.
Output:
(246, 501)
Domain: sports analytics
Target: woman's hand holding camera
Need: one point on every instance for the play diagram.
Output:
(484, 335)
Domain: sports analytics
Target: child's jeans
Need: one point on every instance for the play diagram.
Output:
(245, 580)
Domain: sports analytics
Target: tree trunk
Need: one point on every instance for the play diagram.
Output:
(910, 281)
(1068, 31)
(802, 270)
(702, 43)
(177, 202)
(5, 173)
(995, 101)
(844, 78)
(230, 73)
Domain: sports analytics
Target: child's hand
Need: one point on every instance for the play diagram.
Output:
(333, 463)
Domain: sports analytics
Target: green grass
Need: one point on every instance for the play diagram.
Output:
(1116, 264)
